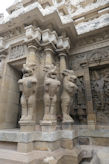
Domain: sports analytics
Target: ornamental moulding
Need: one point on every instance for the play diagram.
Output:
(41, 38)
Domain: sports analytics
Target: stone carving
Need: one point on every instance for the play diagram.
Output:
(95, 56)
(28, 86)
(100, 94)
(51, 88)
(0, 68)
(93, 39)
(69, 88)
(14, 32)
(17, 52)
(79, 105)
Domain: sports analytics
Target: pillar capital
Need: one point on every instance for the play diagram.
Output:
(2, 56)
(48, 49)
(62, 54)
(32, 47)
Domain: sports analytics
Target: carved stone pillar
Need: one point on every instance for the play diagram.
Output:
(31, 57)
(91, 118)
(63, 64)
(28, 86)
(69, 88)
(49, 56)
(2, 62)
(51, 89)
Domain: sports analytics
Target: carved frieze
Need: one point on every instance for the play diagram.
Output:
(100, 93)
(87, 58)
(0, 68)
(14, 32)
(93, 39)
(78, 111)
(17, 52)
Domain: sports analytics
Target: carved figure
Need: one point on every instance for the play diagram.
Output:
(51, 88)
(17, 52)
(28, 86)
(99, 88)
(0, 68)
(69, 88)
(100, 94)
(106, 85)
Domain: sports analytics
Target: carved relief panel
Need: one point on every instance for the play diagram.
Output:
(79, 106)
(0, 68)
(100, 93)
(17, 52)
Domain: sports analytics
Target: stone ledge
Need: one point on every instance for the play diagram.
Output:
(17, 136)
(25, 137)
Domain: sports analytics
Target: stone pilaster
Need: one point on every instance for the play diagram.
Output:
(63, 64)
(91, 118)
(2, 62)
(31, 57)
(27, 126)
(49, 56)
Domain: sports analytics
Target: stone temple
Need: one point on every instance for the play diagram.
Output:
(54, 82)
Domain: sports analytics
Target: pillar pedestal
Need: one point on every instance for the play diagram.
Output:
(25, 147)
(27, 126)
(91, 119)
(68, 125)
(48, 126)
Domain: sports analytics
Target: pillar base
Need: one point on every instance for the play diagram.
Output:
(25, 147)
(91, 119)
(27, 126)
(67, 125)
(48, 125)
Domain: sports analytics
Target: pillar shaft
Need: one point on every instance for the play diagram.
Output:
(31, 57)
(49, 56)
(63, 65)
(2, 62)
(91, 118)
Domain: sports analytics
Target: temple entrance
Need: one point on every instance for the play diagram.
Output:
(16, 100)
(16, 74)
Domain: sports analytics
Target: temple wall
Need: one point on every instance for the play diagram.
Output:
(9, 98)
(90, 61)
